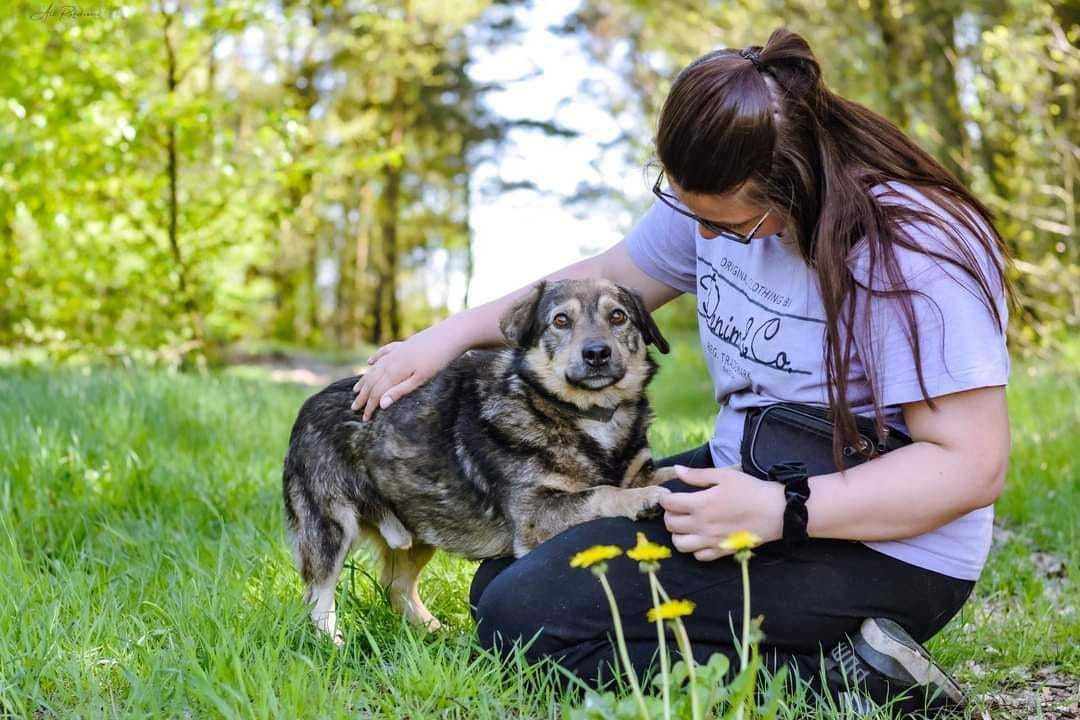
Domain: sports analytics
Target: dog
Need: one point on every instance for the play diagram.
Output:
(498, 452)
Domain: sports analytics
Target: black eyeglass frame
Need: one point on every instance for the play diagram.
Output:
(719, 230)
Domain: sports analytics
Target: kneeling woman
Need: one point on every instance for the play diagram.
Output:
(837, 265)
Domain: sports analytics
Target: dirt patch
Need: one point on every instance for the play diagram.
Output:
(1050, 694)
(298, 367)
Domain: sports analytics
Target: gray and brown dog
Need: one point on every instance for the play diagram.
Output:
(500, 451)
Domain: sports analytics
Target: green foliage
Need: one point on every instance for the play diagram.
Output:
(988, 88)
(720, 695)
(176, 177)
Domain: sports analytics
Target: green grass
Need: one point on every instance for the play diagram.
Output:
(144, 572)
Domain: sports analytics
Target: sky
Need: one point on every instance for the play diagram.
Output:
(520, 236)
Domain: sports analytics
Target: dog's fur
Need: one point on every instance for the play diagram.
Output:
(498, 452)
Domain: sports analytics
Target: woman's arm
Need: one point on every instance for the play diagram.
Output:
(956, 464)
(400, 367)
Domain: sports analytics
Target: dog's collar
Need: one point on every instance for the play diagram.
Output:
(593, 412)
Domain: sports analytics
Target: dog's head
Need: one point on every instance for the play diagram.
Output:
(584, 337)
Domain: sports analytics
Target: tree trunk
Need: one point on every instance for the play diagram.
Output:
(386, 300)
(9, 301)
(299, 242)
(387, 312)
(359, 305)
(891, 61)
(940, 49)
(172, 164)
(470, 259)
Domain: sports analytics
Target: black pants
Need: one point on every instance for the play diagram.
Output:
(810, 594)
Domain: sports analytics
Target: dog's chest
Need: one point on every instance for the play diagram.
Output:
(608, 434)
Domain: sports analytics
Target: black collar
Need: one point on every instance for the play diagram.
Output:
(593, 412)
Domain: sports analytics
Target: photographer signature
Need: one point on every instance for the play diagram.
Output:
(55, 13)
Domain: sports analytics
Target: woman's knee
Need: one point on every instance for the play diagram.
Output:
(499, 618)
(540, 596)
(482, 578)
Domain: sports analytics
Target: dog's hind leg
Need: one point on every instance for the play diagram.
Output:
(323, 574)
(401, 576)
(399, 572)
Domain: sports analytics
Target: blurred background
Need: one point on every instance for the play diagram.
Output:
(186, 183)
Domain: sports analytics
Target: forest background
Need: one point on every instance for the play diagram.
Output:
(180, 181)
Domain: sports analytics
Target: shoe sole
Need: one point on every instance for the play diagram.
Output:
(905, 660)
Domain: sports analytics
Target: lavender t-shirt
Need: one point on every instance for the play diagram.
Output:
(762, 324)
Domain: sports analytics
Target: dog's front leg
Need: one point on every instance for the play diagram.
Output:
(641, 472)
(544, 514)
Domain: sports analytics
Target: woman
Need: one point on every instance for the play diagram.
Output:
(835, 263)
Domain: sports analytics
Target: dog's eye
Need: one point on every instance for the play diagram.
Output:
(617, 317)
(561, 321)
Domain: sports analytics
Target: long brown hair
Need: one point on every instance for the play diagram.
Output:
(764, 114)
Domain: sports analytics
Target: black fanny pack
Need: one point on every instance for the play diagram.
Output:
(792, 432)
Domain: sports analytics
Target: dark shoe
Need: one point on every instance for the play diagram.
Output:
(882, 665)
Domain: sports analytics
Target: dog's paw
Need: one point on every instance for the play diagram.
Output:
(329, 632)
(423, 619)
(650, 502)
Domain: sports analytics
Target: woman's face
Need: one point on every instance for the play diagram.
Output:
(734, 210)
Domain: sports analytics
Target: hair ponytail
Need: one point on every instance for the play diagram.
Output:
(765, 115)
(788, 58)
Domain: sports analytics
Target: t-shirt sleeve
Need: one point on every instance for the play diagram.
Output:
(961, 343)
(663, 246)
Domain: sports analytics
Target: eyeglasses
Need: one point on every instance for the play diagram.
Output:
(717, 229)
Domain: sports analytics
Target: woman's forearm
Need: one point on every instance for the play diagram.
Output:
(956, 464)
(906, 492)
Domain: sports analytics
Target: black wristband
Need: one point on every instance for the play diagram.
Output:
(792, 475)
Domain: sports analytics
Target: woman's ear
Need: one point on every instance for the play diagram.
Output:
(519, 325)
(649, 332)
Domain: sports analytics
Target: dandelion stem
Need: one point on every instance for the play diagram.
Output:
(688, 657)
(744, 560)
(744, 655)
(662, 644)
(621, 642)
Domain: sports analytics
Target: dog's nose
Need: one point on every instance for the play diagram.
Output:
(596, 354)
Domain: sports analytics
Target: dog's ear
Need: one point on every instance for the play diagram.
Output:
(519, 325)
(649, 332)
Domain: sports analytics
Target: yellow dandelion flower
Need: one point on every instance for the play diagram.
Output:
(646, 551)
(595, 554)
(670, 610)
(740, 540)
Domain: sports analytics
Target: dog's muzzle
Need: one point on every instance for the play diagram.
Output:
(595, 370)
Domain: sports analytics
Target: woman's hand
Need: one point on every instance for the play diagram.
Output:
(398, 368)
(699, 521)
